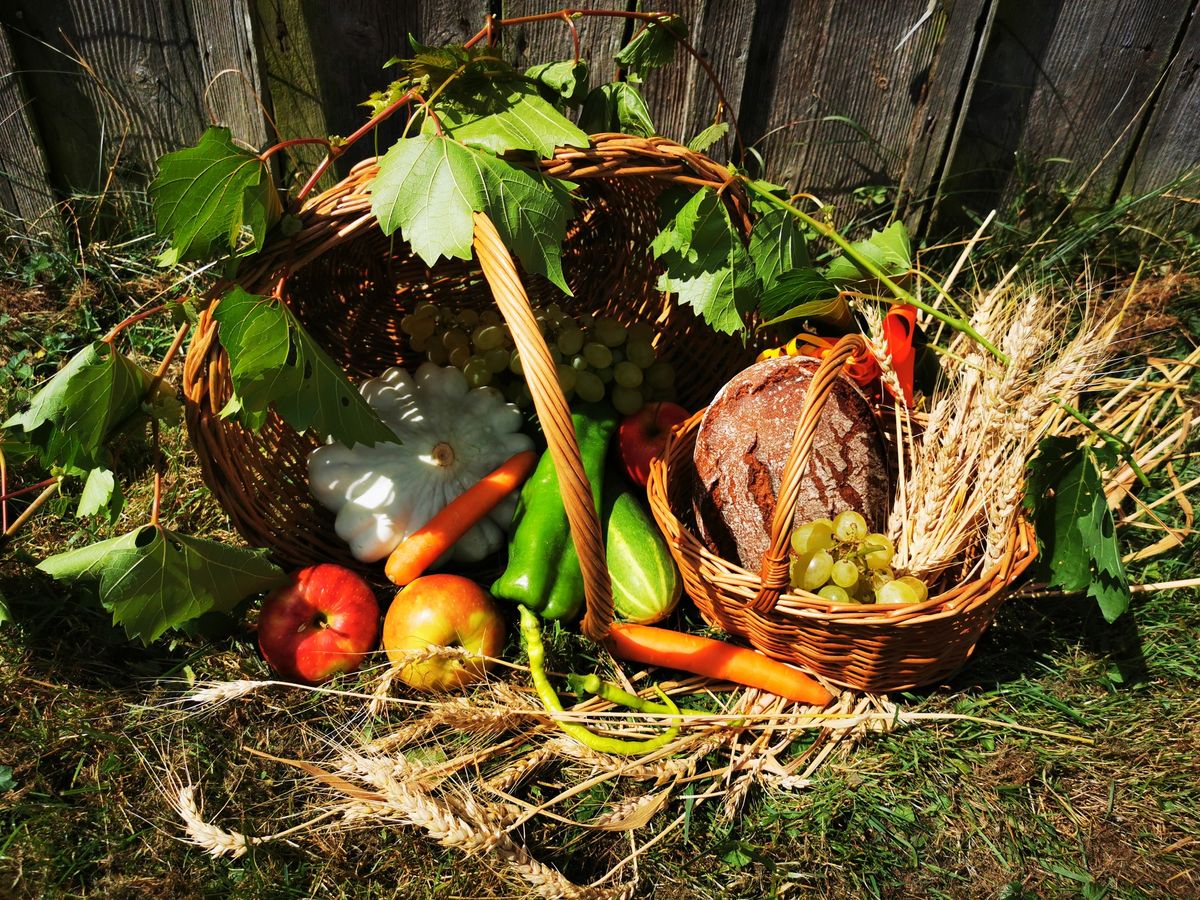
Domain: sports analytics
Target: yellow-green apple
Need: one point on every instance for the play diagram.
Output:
(643, 436)
(325, 620)
(442, 611)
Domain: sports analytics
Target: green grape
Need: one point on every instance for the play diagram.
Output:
(796, 570)
(640, 332)
(589, 388)
(877, 551)
(844, 574)
(554, 353)
(626, 400)
(455, 337)
(566, 377)
(438, 355)
(407, 324)
(597, 355)
(605, 374)
(467, 318)
(514, 364)
(896, 592)
(420, 345)
(570, 339)
(609, 332)
(497, 359)
(423, 327)
(626, 374)
(477, 372)
(460, 355)
(524, 398)
(640, 353)
(586, 321)
(578, 362)
(835, 593)
(917, 585)
(849, 526)
(816, 573)
(813, 536)
(488, 337)
(491, 317)
(661, 375)
(426, 310)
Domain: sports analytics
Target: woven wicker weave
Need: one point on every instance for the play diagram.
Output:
(350, 285)
(876, 648)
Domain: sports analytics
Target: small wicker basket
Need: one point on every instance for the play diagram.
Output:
(876, 648)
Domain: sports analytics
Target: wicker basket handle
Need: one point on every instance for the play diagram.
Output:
(541, 374)
(774, 573)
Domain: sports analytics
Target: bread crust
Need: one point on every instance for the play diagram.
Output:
(742, 445)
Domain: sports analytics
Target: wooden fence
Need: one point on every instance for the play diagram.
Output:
(943, 105)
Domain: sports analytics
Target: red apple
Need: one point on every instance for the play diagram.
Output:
(323, 621)
(442, 611)
(643, 436)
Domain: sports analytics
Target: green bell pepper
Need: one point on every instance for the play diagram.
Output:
(543, 571)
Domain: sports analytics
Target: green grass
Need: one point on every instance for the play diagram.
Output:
(940, 810)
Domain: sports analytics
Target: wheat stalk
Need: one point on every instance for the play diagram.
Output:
(215, 841)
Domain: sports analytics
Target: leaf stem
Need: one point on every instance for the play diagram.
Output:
(336, 150)
(1115, 441)
(29, 489)
(133, 320)
(158, 472)
(292, 142)
(33, 508)
(868, 267)
(3, 492)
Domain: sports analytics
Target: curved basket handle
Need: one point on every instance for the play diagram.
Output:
(541, 375)
(774, 573)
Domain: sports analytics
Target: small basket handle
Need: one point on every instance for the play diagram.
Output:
(541, 375)
(774, 574)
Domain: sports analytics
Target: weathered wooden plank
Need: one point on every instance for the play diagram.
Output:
(1061, 92)
(944, 99)
(25, 190)
(600, 37)
(229, 61)
(1169, 148)
(680, 96)
(112, 86)
(850, 82)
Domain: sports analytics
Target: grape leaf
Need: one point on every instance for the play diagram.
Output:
(504, 114)
(101, 493)
(708, 137)
(70, 418)
(776, 244)
(274, 361)
(429, 186)
(804, 294)
(152, 579)
(706, 263)
(889, 250)
(207, 197)
(654, 46)
(567, 80)
(616, 107)
(1075, 528)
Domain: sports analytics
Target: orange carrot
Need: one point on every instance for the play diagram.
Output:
(419, 550)
(714, 659)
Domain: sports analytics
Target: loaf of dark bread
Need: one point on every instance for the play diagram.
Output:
(742, 446)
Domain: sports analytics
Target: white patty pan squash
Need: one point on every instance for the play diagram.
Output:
(451, 437)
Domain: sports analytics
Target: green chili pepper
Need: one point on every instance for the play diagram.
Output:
(543, 571)
(531, 632)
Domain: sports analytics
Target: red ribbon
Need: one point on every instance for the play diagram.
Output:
(899, 325)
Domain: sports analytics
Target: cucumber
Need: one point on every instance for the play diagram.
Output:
(645, 582)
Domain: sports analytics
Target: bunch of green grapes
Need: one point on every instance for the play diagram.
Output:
(597, 357)
(841, 561)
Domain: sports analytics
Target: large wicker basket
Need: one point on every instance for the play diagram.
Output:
(350, 285)
(874, 648)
